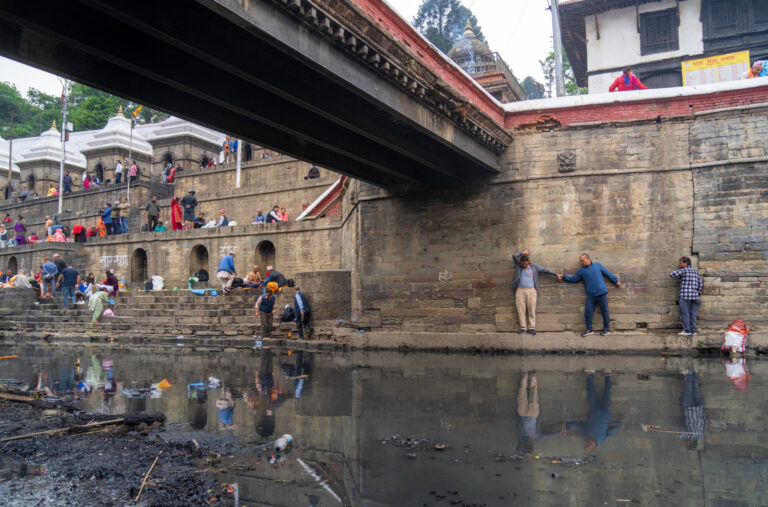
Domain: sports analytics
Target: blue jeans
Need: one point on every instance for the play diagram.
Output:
(49, 286)
(116, 226)
(124, 225)
(68, 293)
(589, 310)
(118, 177)
(689, 313)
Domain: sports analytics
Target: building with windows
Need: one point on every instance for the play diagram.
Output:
(601, 37)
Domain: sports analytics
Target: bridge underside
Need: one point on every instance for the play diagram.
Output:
(252, 69)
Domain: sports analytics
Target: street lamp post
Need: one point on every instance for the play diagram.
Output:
(64, 93)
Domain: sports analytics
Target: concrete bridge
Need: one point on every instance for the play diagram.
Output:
(347, 84)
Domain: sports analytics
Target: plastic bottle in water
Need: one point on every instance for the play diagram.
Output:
(283, 442)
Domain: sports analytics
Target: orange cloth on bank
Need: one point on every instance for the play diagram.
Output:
(102, 228)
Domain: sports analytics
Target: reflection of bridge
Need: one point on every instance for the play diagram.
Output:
(349, 86)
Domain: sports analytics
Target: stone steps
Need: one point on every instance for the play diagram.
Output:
(156, 314)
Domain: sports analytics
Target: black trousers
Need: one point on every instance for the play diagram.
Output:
(152, 222)
(303, 324)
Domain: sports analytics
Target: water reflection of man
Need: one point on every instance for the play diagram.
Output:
(265, 385)
(298, 371)
(528, 410)
(598, 426)
(225, 407)
(693, 408)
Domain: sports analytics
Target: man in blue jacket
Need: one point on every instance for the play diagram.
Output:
(226, 272)
(106, 215)
(591, 273)
(302, 311)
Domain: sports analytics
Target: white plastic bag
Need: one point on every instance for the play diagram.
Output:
(157, 282)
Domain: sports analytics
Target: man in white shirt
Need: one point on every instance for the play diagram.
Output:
(118, 172)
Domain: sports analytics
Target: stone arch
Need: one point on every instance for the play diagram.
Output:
(13, 265)
(31, 182)
(139, 273)
(265, 255)
(168, 158)
(198, 259)
(100, 171)
(248, 152)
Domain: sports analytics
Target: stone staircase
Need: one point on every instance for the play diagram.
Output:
(148, 315)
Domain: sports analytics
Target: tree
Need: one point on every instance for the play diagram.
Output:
(89, 109)
(442, 22)
(548, 68)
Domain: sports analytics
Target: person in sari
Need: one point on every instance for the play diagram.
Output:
(97, 303)
(20, 231)
(87, 182)
(171, 175)
(102, 227)
(176, 215)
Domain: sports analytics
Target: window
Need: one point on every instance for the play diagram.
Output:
(658, 32)
(663, 80)
(725, 18)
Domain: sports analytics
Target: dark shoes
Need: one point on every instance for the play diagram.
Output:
(532, 331)
(588, 332)
(523, 331)
(605, 333)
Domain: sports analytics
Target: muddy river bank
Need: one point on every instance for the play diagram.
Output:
(386, 428)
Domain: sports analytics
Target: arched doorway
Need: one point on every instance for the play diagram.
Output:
(198, 259)
(31, 183)
(167, 159)
(13, 266)
(139, 266)
(248, 152)
(100, 171)
(265, 255)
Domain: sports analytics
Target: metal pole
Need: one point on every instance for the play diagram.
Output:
(558, 47)
(237, 174)
(63, 144)
(10, 153)
(130, 161)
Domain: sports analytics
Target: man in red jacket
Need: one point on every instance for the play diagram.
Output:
(627, 82)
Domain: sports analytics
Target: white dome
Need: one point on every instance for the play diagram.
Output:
(117, 133)
(48, 147)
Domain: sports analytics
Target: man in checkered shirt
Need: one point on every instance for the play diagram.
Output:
(690, 295)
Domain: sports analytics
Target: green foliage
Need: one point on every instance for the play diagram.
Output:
(89, 109)
(442, 22)
(548, 68)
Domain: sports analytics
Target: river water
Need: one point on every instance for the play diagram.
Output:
(397, 429)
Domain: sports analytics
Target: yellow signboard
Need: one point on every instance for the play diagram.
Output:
(715, 69)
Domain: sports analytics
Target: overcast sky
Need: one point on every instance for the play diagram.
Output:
(519, 30)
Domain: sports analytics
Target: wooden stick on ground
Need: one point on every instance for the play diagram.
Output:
(144, 481)
(63, 430)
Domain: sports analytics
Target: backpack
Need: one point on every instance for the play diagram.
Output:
(202, 276)
(288, 315)
(238, 283)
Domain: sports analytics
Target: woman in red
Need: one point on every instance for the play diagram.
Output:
(176, 214)
(627, 82)
(171, 175)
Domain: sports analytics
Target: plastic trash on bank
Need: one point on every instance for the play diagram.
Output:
(158, 282)
(736, 338)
